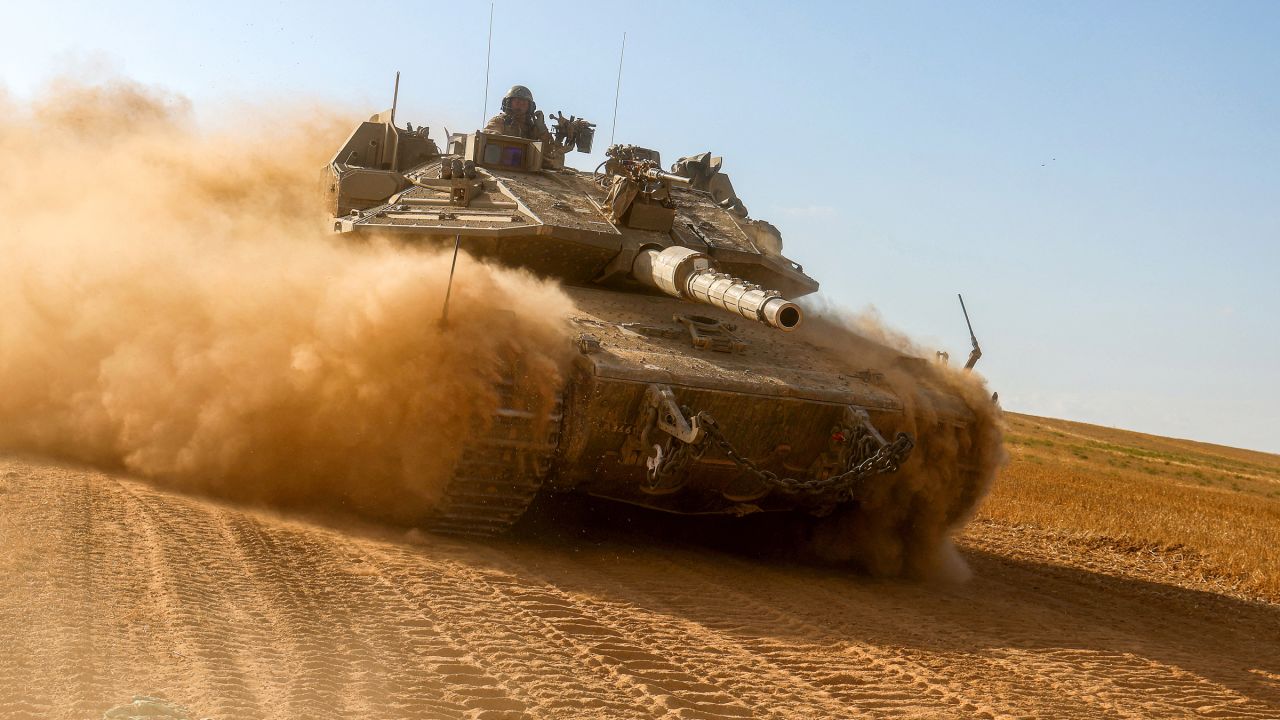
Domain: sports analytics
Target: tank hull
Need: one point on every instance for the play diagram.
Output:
(775, 398)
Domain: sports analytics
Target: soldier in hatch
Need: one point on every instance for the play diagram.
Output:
(519, 116)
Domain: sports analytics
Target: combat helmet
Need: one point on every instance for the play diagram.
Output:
(518, 91)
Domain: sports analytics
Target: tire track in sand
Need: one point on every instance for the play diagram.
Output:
(209, 620)
(671, 683)
(394, 656)
(719, 620)
(643, 634)
(27, 693)
(532, 661)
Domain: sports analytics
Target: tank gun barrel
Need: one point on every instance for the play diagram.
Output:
(686, 273)
(656, 174)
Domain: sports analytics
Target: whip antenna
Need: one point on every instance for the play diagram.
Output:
(395, 99)
(618, 90)
(488, 53)
(976, 352)
(391, 138)
(444, 314)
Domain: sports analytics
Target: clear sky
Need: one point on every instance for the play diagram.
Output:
(1100, 180)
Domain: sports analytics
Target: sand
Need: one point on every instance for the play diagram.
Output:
(117, 589)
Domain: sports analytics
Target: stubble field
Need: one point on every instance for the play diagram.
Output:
(1195, 514)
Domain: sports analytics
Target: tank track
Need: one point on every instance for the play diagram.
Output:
(499, 473)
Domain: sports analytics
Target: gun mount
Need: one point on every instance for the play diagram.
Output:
(638, 191)
(573, 132)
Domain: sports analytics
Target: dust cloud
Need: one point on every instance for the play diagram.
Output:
(904, 527)
(170, 305)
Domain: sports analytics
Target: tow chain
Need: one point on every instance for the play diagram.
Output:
(887, 459)
(670, 465)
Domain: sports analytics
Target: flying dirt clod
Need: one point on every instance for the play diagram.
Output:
(697, 387)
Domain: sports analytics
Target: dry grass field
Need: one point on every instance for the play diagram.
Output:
(1176, 511)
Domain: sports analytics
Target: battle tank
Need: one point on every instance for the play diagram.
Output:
(689, 393)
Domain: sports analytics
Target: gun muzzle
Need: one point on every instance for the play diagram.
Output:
(686, 273)
(656, 174)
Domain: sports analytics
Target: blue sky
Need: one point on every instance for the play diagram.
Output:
(1101, 180)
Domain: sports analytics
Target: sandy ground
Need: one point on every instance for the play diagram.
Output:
(114, 588)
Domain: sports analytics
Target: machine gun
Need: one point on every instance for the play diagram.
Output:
(639, 164)
(573, 133)
(638, 190)
(976, 352)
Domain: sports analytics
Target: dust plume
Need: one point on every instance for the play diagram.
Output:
(904, 526)
(172, 306)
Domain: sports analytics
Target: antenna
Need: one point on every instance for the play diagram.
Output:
(444, 314)
(484, 113)
(395, 99)
(390, 137)
(976, 352)
(618, 90)
(965, 310)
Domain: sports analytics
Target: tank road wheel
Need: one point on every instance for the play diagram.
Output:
(500, 471)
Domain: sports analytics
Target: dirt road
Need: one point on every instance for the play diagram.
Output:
(115, 588)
